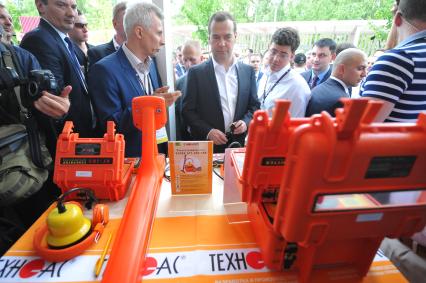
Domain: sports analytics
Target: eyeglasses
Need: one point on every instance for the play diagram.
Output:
(80, 25)
(281, 55)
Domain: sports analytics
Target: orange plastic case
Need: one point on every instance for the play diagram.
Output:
(94, 163)
(321, 161)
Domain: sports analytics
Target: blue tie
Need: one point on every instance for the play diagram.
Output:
(75, 63)
(76, 66)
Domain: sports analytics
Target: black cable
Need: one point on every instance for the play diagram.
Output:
(90, 198)
(217, 174)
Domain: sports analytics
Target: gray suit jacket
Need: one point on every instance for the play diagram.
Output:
(325, 97)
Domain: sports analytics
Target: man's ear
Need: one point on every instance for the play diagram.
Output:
(40, 6)
(333, 56)
(397, 19)
(139, 31)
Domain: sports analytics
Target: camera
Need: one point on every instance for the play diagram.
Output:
(37, 81)
(41, 80)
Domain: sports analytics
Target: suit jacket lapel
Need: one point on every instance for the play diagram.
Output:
(129, 72)
(240, 81)
(211, 78)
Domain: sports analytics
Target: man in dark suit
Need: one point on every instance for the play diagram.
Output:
(323, 54)
(349, 68)
(115, 80)
(98, 52)
(80, 35)
(221, 92)
(191, 56)
(54, 50)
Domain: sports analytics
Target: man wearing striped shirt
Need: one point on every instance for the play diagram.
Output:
(398, 78)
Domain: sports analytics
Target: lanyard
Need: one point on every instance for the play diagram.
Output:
(266, 93)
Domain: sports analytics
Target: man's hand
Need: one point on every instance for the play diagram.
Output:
(53, 105)
(169, 97)
(240, 127)
(217, 137)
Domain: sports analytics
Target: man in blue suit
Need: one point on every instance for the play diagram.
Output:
(48, 43)
(323, 53)
(116, 79)
(221, 93)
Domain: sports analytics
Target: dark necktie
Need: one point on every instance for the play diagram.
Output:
(75, 63)
(314, 82)
(77, 69)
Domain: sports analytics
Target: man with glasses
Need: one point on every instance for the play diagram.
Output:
(323, 54)
(398, 79)
(221, 92)
(280, 80)
(79, 35)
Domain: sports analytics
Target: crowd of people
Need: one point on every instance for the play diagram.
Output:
(216, 93)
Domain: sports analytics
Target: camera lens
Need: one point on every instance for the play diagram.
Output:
(33, 90)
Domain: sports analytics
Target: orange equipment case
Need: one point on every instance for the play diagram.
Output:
(327, 161)
(94, 163)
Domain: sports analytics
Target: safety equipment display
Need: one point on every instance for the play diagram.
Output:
(67, 233)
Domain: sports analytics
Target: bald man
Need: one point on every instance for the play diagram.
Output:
(349, 68)
(191, 56)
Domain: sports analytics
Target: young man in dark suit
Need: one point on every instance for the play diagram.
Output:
(54, 50)
(323, 54)
(221, 92)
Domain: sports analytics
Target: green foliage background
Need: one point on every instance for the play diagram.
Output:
(197, 12)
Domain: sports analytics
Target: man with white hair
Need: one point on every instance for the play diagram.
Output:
(129, 72)
(349, 68)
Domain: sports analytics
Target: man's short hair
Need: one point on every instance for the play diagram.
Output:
(286, 37)
(342, 46)
(255, 54)
(140, 13)
(195, 44)
(326, 42)
(300, 59)
(221, 17)
(413, 9)
(120, 6)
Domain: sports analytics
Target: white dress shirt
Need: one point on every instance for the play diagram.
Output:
(227, 83)
(141, 68)
(291, 87)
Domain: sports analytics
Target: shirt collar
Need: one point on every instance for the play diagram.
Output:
(61, 34)
(216, 65)
(322, 74)
(411, 38)
(278, 74)
(137, 64)
(115, 43)
(345, 87)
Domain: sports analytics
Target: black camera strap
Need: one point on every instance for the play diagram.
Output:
(10, 60)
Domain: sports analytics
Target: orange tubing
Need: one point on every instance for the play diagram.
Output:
(127, 257)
